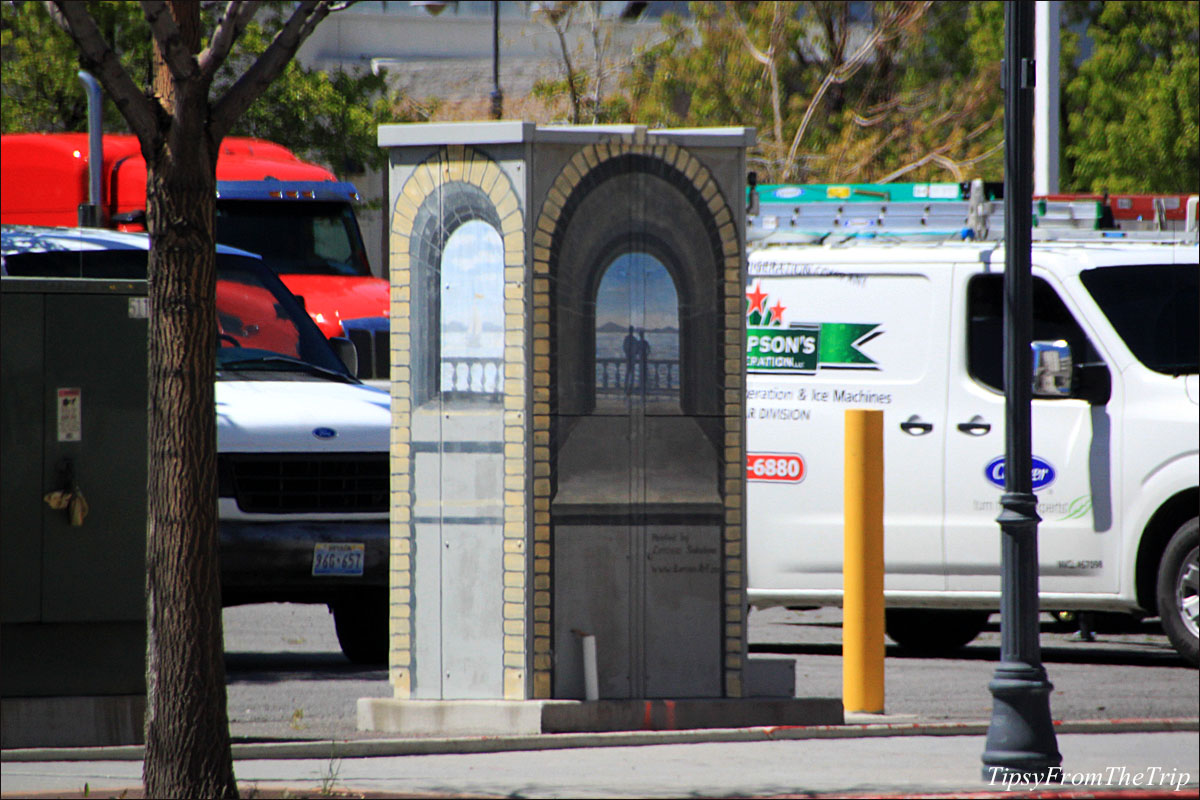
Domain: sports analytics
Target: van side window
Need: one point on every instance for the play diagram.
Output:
(985, 329)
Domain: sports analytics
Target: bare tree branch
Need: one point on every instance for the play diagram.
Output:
(888, 28)
(179, 61)
(139, 110)
(558, 16)
(601, 36)
(268, 65)
(767, 59)
(235, 19)
(937, 157)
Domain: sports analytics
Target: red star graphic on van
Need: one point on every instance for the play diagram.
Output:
(777, 312)
(756, 298)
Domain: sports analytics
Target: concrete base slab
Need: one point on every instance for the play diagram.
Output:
(530, 717)
(452, 717)
(88, 721)
(685, 714)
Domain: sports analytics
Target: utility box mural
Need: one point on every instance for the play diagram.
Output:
(567, 334)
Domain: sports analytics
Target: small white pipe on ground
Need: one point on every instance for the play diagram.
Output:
(591, 682)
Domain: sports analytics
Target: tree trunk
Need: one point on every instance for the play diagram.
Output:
(187, 727)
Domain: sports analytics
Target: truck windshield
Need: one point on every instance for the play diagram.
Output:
(1154, 309)
(295, 238)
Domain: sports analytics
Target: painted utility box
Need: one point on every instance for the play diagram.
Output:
(73, 598)
(567, 397)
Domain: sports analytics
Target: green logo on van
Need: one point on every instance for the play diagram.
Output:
(803, 349)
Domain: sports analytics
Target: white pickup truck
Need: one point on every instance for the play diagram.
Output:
(915, 329)
(302, 445)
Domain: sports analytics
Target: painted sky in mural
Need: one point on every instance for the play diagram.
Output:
(637, 290)
(472, 286)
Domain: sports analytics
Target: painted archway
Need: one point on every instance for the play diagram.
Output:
(686, 224)
(454, 187)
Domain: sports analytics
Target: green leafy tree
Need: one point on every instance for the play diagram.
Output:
(912, 89)
(38, 62)
(330, 119)
(1133, 107)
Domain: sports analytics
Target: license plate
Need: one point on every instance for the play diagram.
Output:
(338, 558)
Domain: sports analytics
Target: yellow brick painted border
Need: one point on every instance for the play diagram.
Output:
(459, 163)
(572, 174)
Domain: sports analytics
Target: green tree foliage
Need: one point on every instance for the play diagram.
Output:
(1133, 107)
(38, 63)
(910, 89)
(326, 118)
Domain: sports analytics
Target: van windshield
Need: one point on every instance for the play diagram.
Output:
(295, 238)
(1154, 310)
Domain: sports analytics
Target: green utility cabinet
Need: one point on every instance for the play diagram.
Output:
(72, 638)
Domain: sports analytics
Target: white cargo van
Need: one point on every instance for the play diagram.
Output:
(915, 329)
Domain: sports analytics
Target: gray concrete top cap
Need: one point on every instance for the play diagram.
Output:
(505, 132)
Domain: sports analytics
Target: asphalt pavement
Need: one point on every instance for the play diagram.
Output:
(923, 748)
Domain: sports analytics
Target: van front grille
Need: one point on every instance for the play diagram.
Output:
(304, 483)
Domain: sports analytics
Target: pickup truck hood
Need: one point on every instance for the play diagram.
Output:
(301, 416)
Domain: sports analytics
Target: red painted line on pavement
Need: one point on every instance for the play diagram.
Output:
(1041, 794)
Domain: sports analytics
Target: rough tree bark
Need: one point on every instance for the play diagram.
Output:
(185, 665)
(179, 128)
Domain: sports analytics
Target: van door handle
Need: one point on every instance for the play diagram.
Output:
(913, 426)
(975, 426)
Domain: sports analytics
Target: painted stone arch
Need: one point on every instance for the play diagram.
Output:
(682, 219)
(451, 187)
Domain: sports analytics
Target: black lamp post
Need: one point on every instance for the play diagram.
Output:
(497, 95)
(436, 7)
(1020, 739)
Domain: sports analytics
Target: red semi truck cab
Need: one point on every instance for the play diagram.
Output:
(296, 215)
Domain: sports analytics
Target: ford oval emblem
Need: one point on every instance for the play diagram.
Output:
(1043, 472)
(324, 433)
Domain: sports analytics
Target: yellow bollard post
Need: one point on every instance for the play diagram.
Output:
(862, 569)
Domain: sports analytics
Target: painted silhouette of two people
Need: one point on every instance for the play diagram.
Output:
(637, 353)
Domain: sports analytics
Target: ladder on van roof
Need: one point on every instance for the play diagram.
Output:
(810, 213)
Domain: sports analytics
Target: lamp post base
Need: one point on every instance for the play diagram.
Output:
(1020, 741)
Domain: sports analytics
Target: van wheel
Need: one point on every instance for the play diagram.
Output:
(362, 628)
(1178, 592)
(933, 631)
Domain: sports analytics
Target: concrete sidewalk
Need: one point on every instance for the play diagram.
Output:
(1142, 758)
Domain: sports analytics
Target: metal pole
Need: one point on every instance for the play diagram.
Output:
(90, 214)
(497, 95)
(1020, 739)
(1045, 94)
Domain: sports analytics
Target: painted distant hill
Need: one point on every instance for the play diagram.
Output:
(612, 327)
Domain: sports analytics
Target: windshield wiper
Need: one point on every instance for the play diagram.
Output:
(255, 362)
